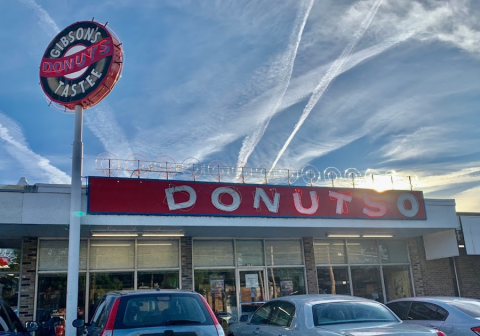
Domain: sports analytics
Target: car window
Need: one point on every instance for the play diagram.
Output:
(426, 311)
(471, 308)
(262, 314)
(282, 314)
(100, 315)
(161, 310)
(400, 308)
(5, 324)
(351, 312)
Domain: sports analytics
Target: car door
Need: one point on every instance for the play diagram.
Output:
(281, 319)
(426, 314)
(258, 322)
(9, 322)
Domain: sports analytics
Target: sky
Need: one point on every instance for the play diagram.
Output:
(388, 89)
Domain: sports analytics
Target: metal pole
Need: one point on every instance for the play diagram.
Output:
(74, 231)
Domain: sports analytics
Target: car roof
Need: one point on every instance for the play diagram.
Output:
(434, 299)
(320, 298)
(149, 291)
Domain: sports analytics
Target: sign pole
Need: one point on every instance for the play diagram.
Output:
(75, 217)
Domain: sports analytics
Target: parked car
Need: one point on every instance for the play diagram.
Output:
(11, 325)
(326, 315)
(452, 315)
(159, 312)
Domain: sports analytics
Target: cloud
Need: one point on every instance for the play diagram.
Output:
(44, 19)
(284, 66)
(332, 72)
(468, 200)
(35, 165)
(102, 122)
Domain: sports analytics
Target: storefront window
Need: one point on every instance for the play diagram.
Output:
(213, 253)
(52, 297)
(53, 255)
(285, 281)
(330, 251)
(284, 252)
(393, 251)
(157, 254)
(9, 289)
(218, 288)
(101, 283)
(112, 254)
(157, 279)
(362, 252)
(366, 282)
(250, 252)
(333, 280)
(397, 282)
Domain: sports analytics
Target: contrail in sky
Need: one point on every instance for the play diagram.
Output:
(288, 60)
(45, 19)
(332, 72)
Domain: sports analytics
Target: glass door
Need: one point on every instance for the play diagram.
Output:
(251, 290)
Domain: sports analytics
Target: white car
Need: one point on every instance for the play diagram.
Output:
(325, 315)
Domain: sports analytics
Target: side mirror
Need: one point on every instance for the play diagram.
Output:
(244, 318)
(78, 323)
(31, 326)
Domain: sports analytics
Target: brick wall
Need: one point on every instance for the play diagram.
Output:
(27, 290)
(432, 277)
(186, 267)
(310, 267)
(468, 270)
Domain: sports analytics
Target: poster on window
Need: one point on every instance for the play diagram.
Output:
(217, 287)
(286, 287)
(398, 284)
(251, 280)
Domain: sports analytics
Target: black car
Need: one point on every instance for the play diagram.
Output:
(11, 325)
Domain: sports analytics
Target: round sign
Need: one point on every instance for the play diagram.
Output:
(81, 65)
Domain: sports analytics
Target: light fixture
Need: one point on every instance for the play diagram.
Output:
(114, 234)
(321, 244)
(334, 235)
(153, 244)
(110, 245)
(377, 236)
(461, 246)
(163, 234)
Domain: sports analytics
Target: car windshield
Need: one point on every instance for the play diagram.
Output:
(350, 312)
(471, 308)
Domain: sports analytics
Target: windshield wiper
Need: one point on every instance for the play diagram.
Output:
(176, 322)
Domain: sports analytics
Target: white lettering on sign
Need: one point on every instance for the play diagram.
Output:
(402, 198)
(272, 206)
(224, 207)
(172, 205)
(341, 199)
(380, 207)
(297, 201)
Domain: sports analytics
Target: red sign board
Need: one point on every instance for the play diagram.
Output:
(81, 65)
(107, 195)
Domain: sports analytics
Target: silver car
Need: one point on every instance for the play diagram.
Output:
(452, 315)
(326, 315)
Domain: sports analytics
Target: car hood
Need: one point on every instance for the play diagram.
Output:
(378, 329)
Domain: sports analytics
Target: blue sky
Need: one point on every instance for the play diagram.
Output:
(366, 84)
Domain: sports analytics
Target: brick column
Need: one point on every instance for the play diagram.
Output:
(431, 277)
(29, 268)
(310, 266)
(187, 265)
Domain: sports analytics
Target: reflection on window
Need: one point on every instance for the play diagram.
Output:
(397, 282)
(283, 252)
(52, 300)
(366, 282)
(333, 280)
(112, 254)
(362, 252)
(213, 253)
(157, 254)
(218, 288)
(158, 279)
(101, 283)
(53, 255)
(330, 251)
(9, 289)
(285, 282)
(393, 251)
(250, 252)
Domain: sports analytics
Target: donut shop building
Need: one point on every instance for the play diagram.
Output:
(237, 244)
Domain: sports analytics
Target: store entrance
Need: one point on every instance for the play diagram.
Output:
(252, 292)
